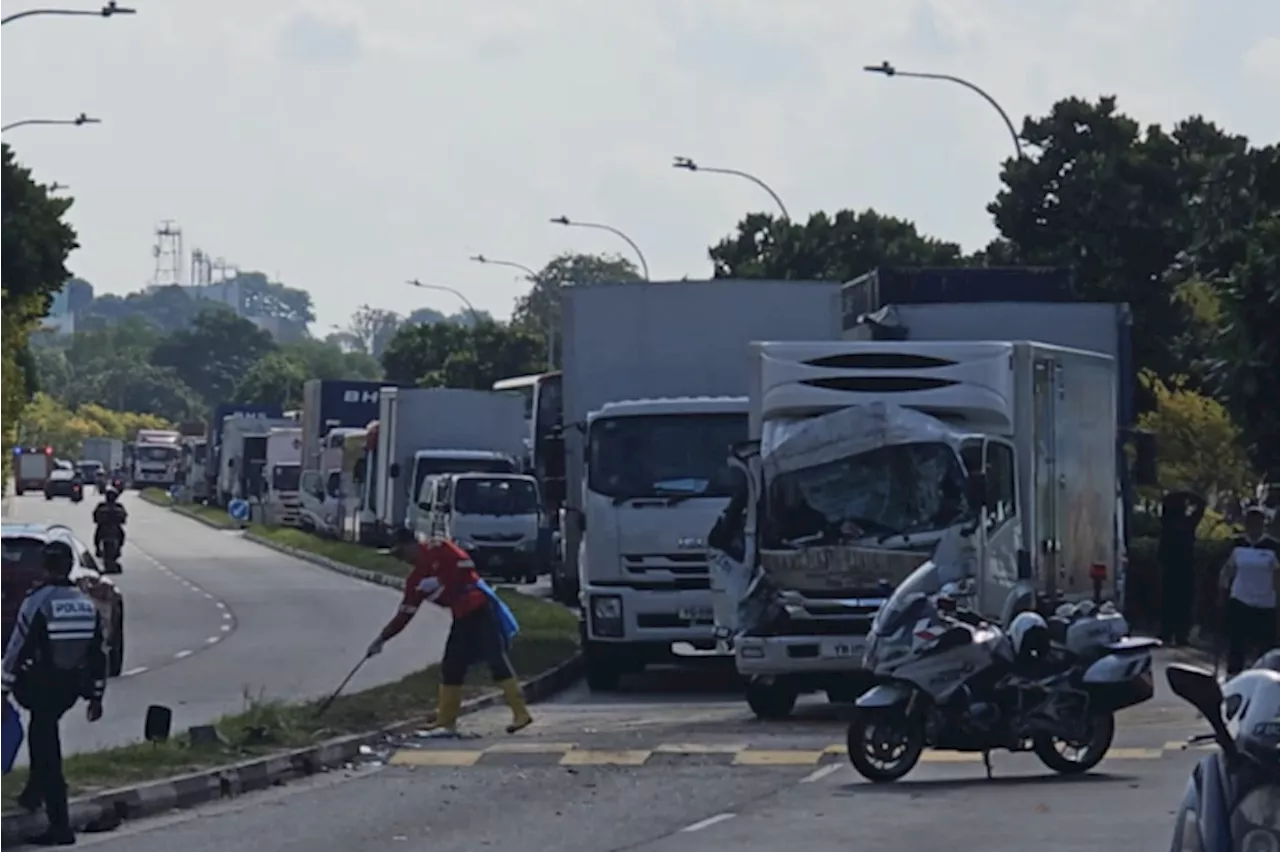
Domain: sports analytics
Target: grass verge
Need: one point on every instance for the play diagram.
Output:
(548, 637)
(346, 552)
(217, 517)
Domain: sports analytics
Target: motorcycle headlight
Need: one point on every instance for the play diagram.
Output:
(1255, 823)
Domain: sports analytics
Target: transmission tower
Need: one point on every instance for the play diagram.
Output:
(168, 254)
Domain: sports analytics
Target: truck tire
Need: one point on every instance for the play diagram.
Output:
(771, 701)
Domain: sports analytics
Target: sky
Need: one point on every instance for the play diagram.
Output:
(345, 147)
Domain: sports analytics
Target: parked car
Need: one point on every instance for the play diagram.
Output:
(21, 571)
(64, 482)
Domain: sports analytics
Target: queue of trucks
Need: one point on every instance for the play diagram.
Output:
(743, 470)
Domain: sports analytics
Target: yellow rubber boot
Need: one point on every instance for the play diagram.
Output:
(448, 706)
(520, 718)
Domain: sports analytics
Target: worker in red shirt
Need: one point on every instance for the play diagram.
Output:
(444, 575)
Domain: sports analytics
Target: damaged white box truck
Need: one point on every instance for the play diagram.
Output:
(864, 456)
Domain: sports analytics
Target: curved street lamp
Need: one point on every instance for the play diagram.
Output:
(75, 122)
(529, 273)
(105, 12)
(889, 70)
(475, 317)
(569, 223)
(689, 165)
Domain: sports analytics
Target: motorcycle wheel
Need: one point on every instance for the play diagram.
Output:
(884, 745)
(1088, 754)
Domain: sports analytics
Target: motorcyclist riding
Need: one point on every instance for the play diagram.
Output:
(109, 518)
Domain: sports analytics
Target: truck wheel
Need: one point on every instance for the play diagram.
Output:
(771, 701)
(602, 668)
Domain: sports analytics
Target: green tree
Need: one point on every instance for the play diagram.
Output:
(1200, 445)
(34, 245)
(278, 377)
(373, 328)
(213, 354)
(826, 248)
(447, 355)
(538, 311)
(326, 360)
(135, 385)
(169, 309)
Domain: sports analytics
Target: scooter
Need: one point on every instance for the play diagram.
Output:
(1233, 797)
(77, 492)
(111, 555)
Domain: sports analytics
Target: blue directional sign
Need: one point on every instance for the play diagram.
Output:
(238, 510)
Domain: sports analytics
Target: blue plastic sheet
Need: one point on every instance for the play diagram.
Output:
(12, 735)
(506, 618)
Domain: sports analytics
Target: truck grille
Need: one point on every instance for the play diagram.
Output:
(668, 572)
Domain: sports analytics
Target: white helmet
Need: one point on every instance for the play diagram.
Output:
(1029, 635)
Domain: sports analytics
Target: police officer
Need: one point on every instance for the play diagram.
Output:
(55, 656)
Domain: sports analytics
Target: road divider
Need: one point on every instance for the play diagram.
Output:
(272, 742)
(207, 515)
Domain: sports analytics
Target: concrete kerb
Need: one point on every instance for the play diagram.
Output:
(187, 513)
(107, 809)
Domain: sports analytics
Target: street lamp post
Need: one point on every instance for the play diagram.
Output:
(888, 70)
(106, 11)
(569, 223)
(79, 120)
(475, 317)
(533, 279)
(689, 165)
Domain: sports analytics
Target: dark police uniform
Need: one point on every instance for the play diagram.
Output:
(55, 656)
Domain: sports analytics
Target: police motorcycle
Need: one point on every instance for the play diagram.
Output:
(948, 679)
(1232, 803)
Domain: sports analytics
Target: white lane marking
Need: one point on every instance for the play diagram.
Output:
(212, 639)
(181, 655)
(708, 822)
(820, 773)
(220, 605)
(226, 628)
(131, 672)
(226, 616)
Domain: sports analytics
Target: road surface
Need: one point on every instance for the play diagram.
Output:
(688, 769)
(212, 620)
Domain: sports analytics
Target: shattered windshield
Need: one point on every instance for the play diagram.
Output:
(904, 488)
(668, 455)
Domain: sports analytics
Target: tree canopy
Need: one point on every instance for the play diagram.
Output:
(447, 355)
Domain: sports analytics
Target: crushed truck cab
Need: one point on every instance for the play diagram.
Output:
(864, 455)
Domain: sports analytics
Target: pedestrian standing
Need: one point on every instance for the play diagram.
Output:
(55, 656)
(1180, 514)
(1248, 582)
(443, 574)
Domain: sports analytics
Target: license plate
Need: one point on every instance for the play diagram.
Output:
(696, 613)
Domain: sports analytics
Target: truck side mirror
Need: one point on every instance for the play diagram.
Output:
(394, 470)
(975, 489)
(1145, 470)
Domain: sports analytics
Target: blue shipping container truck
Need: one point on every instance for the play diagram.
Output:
(1000, 303)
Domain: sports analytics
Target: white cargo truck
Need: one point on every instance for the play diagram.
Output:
(650, 370)
(156, 455)
(415, 431)
(109, 452)
(328, 494)
(866, 454)
(284, 472)
(243, 457)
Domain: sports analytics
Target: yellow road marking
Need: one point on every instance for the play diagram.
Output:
(951, 757)
(777, 758)
(1135, 754)
(590, 757)
(435, 757)
(530, 748)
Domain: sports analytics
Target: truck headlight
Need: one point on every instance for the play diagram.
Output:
(606, 615)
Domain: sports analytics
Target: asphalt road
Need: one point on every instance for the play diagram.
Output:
(212, 620)
(672, 765)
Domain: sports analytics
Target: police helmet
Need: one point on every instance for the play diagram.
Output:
(58, 558)
(1029, 634)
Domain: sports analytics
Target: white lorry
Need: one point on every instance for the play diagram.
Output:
(866, 454)
(243, 455)
(653, 382)
(109, 452)
(493, 516)
(31, 467)
(328, 495)
(426, 431)
(156, 455)
(284, 472)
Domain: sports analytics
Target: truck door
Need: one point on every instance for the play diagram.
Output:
(1048, 546)
(1001, 535)
(731, 547)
